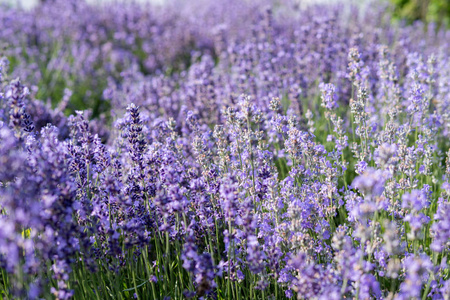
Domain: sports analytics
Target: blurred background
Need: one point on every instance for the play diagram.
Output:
(30, 3)
(437, 11)
(40, 48)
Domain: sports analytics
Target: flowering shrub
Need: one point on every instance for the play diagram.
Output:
(297, 153)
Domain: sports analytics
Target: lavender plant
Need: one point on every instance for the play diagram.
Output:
(256, 151)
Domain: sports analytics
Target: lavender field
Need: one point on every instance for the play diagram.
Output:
(223, 150)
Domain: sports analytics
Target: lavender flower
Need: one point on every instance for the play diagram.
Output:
(222, 149)
(328, 96)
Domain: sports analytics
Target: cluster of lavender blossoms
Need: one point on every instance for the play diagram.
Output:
(240, 150)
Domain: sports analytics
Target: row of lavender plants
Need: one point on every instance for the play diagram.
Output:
(247, 151)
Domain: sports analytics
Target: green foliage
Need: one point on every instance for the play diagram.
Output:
(437, 11)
